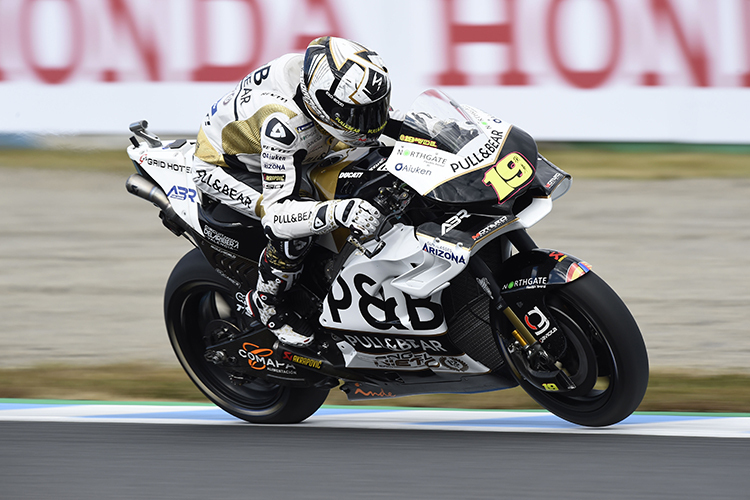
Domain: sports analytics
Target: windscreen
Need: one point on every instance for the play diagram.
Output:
(436, 121)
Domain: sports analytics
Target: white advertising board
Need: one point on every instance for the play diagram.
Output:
(572, 70)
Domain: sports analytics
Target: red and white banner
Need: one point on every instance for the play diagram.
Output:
(612, 70)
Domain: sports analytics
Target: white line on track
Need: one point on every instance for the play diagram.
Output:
(644, 424)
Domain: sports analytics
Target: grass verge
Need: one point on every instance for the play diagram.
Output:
(141, 382)
(601, 161)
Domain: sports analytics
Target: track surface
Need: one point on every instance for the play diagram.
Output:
(195, 451)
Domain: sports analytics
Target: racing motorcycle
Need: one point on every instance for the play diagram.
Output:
(451, 295)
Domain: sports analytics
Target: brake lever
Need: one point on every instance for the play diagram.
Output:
(354, 240)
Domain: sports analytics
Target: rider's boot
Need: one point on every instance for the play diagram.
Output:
(267, 305)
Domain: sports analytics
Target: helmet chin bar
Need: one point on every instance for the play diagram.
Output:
(348, 138)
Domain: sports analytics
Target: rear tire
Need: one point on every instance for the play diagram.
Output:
(596, 320)
(196, 295)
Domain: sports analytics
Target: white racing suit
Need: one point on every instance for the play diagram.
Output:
(249, 149)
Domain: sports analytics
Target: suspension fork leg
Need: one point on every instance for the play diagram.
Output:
(481, 271)
(528, 342)
(521, 240)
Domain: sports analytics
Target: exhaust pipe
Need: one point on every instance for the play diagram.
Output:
(144, 188)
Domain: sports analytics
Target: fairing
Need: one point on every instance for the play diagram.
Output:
(459, 155)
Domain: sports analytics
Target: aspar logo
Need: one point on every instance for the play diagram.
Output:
(443, 253)
(182, 193)
(539, 324)
(371, 394)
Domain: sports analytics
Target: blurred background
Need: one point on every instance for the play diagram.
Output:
(645, 102)
(570, 70)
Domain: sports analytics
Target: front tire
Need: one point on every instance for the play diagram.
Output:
(197, 295)
(596, 322)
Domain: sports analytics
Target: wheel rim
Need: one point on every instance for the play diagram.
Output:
(192, 308)
(596, 381)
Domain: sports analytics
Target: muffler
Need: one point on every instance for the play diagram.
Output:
(144, 188)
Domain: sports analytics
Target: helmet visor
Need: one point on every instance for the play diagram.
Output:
(365, 120)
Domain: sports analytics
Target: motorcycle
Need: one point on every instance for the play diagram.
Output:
(451, 295)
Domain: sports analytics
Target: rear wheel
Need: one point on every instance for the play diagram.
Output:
(606, 356)
(195, 299)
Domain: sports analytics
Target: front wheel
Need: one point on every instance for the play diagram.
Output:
(194, 299)
(605, 349)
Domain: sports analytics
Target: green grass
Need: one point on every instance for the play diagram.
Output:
(633, 163)
(115, 161)
(581, 160)
(140, 382)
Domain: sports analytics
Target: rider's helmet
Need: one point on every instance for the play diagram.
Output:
(346, 88)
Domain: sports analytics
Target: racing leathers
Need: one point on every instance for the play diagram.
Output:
(249, 150)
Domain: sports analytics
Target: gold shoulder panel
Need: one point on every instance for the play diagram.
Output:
(243, 137)
(206, 152)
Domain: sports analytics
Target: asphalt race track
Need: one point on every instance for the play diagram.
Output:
(119, 451)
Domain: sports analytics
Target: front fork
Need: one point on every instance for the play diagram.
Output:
(530, 352)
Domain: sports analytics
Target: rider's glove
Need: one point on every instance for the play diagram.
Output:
(355, 213)
(358, 215)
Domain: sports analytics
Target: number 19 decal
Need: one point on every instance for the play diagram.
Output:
(509, 175)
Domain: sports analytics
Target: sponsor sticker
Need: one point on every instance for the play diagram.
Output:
(274, 177)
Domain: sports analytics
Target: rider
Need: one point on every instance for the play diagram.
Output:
(293, 110)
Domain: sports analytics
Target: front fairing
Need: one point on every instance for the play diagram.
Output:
(459, 155)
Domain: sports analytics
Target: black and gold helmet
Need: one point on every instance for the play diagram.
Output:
(346, 88)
